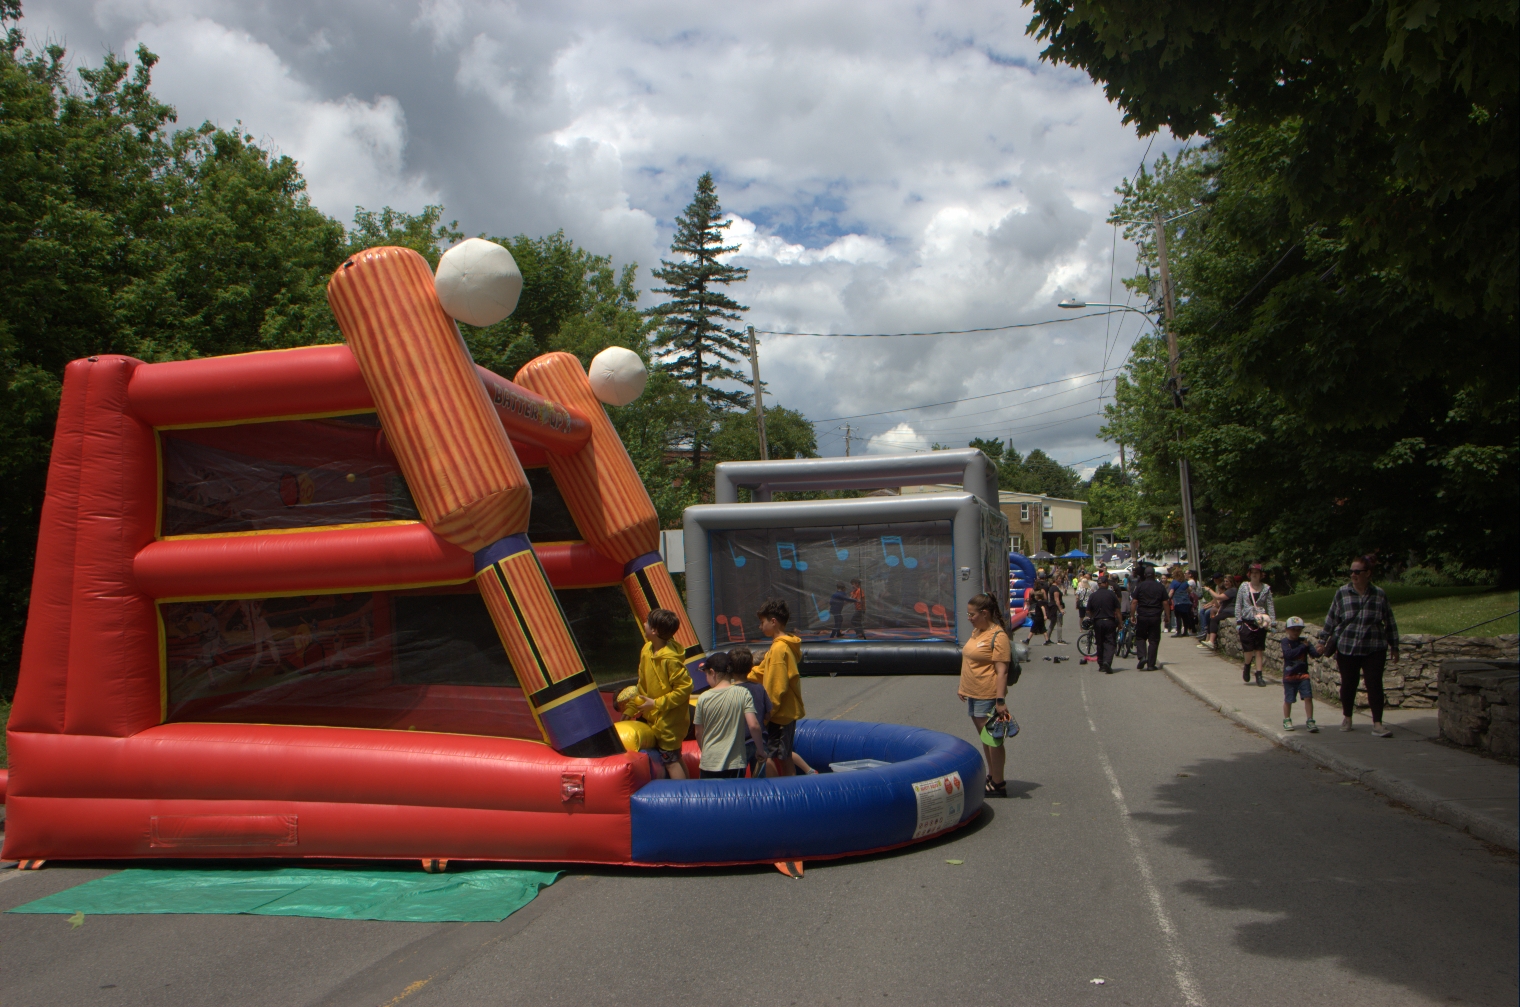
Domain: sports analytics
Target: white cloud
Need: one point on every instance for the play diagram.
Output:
(352, 152)
(901, 439)
(916, 169)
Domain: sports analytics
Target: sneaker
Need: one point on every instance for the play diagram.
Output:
(1260, 681)
(1311, 726)
(1379, 731)
(1345, 723)
(1287, 723)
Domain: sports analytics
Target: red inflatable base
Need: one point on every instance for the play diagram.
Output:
(258, 790)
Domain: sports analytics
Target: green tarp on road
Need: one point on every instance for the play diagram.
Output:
(332, 893)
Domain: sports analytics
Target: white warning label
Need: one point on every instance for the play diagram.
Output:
(940, 803)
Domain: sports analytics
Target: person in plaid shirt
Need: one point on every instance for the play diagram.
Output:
(1360, 632)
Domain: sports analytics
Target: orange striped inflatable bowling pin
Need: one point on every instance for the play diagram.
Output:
(608, 499)
(466, 479)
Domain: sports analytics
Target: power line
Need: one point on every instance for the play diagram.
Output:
(942, 332)
(968, 398)
(958, 417)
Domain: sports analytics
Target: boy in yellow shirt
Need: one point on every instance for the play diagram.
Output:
(778, 673)
(666, 687)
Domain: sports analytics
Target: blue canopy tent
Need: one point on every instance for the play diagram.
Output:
(1076, 554)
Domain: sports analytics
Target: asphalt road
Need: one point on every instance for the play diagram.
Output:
(1147, 842)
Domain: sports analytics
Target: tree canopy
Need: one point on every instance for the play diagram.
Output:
(1343, 252)
(1324, 419)
(1401, 116)
(1035, 472)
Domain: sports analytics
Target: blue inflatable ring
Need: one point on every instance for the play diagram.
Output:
(697, 822)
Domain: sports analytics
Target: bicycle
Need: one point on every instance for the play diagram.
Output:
(1087, 643)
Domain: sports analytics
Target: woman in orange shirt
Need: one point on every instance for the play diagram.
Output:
(984, 681)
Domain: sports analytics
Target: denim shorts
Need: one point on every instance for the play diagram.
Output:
(1300, 689)
(980, 707)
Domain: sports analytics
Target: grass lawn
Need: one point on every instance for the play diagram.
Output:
(1436, 610)
(1447, 615)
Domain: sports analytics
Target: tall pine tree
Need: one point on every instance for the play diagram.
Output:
(693, 338)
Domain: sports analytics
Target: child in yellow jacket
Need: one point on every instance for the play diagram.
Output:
(666, 687)
(778, 673)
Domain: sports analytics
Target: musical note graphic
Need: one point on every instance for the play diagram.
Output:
(906, 560)
(823, 613)
(842, 554)
(782, 548)
(738, 560)
(929, 613)
(730, 624)
(944, 617)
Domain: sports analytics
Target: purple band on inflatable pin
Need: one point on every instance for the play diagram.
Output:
(500, 549)
(648, 559)
(575, 720)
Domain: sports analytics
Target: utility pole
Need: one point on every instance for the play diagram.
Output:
(847, 440)
(1174, 376)
(754, 363)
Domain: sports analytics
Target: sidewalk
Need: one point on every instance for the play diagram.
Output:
(1478, 795)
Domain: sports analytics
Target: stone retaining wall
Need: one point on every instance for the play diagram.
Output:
(1480, 705)
(1412, 684)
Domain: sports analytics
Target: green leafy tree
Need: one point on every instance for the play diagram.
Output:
(1346, 274)
(119, 234)
(1035, 473)
(788, 434)
(694, 339)
(1043, 474)
(424, 233)
(1323, 419)
(1398, 119)
(1113, 501)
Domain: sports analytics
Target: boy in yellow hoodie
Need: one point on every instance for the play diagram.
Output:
(777, 672)
(666, 687)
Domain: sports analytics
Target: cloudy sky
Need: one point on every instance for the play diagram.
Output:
(890, 167)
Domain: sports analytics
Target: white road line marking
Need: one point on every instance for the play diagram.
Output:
(1182, 971)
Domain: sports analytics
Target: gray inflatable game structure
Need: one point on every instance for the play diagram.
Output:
(877, 585)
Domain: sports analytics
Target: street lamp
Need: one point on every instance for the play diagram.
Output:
(1072, 304)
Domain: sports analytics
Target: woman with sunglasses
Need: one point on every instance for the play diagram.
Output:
(985, 660)
(1360, 632)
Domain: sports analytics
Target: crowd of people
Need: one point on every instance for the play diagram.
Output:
(1359, 631)
(746, 721)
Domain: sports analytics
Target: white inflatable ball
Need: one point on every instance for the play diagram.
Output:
(478, 282)
(617, 376)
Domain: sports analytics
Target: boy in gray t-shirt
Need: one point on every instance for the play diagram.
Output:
(721, 716)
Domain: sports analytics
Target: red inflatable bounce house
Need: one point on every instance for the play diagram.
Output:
(254, 629)
(286, 605)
